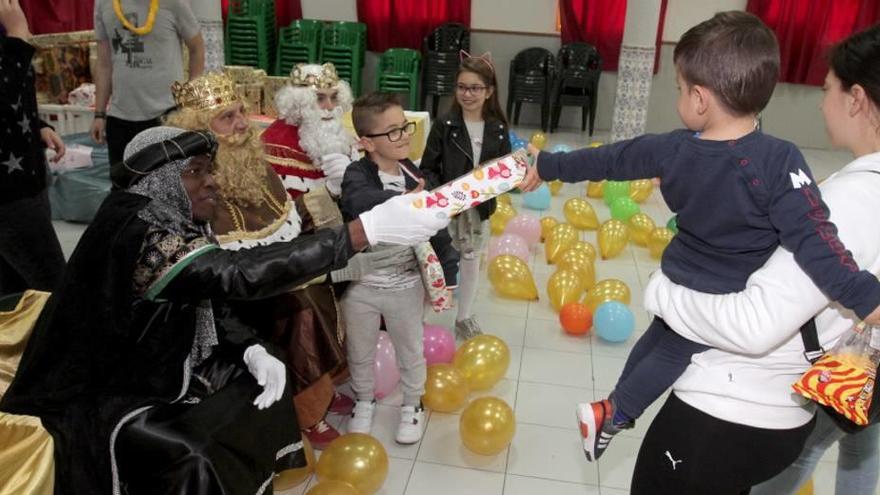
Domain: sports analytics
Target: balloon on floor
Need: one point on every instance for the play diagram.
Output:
(562, 237)
(575, 319)
(504, 212)
(614, 189)
(330, 487)
(446, 389)
(580, 214)
(539, 199)
(482, 360)
(579, 262)
(438, 344)
(612, 238)
(487, 426)
(563, 287)
(595, 189)
(640, 227)
(586, 247)
(547, 224)
(610, 289)
(539, 140)
(511, 277)
(658, 240)
(527, 226)
(511, 244)
(386, 376)
(640, 190)
(614, 321)
(357, 459)
(623, 208)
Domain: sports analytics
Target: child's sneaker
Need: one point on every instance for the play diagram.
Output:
(361, 420)
(411, 426)
(467, 328)
(597, 427)
(341, 404)
(321, 434)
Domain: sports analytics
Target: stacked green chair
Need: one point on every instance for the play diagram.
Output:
(297, 44)
(398, 72)
(342, 44)
(250, 33)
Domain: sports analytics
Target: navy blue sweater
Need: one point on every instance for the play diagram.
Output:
(736, 202)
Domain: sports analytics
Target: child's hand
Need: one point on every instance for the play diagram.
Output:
(533, 150)
(419, 188)
(531, 181)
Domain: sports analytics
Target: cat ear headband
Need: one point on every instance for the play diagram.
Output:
(485, 58)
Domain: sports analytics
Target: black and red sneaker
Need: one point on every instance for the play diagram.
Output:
(597, 428)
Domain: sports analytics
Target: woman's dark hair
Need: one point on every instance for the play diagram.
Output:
(486, 73)
(856, 60)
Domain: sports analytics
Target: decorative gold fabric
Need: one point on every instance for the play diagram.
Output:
(27, 456)
(322, 208)
(27, 452)
(15, 329)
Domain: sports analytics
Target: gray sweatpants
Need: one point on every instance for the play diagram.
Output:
(403, 310)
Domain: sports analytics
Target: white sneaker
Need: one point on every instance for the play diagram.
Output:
(361, 420)
(411, 427)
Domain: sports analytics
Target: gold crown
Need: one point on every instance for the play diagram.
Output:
(207, 92)
(315, 76)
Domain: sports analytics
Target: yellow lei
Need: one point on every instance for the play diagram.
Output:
(146, 28)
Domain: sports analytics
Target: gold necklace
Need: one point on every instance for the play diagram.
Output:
(146, 28)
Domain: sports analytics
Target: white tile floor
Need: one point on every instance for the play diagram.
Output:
(549, 372)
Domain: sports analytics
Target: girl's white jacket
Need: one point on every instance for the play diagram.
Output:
(757, 348)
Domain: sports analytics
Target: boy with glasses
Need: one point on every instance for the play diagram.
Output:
(396, 294)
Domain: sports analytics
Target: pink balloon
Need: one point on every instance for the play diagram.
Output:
(439, 344)
(509, 244)
(385, 372)
(526, 226)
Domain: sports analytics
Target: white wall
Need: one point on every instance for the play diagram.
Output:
(792, 113)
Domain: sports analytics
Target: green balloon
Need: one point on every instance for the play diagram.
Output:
(672, 224)
(613, 189)
(623, 208)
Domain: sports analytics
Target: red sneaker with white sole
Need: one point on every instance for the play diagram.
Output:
(321, 434)
(596, 427)
(341, 405)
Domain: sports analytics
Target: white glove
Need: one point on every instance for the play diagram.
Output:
(269, 372)
(365, 263)
(333, 165)
(397, 221)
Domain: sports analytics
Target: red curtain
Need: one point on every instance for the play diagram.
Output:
(404, 23)
(286, 11)
(806, 29)
(600, 23)
(59, 16)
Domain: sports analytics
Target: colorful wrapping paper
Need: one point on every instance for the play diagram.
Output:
(432, 276)
(491, 179)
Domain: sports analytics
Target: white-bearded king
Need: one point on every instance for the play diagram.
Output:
(308, 145)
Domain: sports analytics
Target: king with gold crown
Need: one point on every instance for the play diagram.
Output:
(308, 145)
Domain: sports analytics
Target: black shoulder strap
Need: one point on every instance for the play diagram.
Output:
(812, 350)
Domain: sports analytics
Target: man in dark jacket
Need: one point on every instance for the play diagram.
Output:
(30, 255)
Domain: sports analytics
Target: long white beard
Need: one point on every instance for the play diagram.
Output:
(319, 137)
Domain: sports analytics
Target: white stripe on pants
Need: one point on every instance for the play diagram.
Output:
(403, 310)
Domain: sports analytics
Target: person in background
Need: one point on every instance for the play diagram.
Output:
(30, 254)
(139, 57)
(474, 131)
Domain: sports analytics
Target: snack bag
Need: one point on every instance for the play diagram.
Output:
(843, 378)
(485, 182)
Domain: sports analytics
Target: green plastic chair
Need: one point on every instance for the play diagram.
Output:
(340, 45)
(398, 71)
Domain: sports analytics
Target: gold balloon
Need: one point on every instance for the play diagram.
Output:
(581, 263)
(511, 277)
(586, 247)
(640, 190)
(555, 186)
(658, 240)
(330, 487)
(503, 213)
(563, 287)
(539, 140)
(446, 390)
(290, 478)
(482, 361)
(357, 459)
(640, 227)
(561, 238)
(613, 236)
(504, 199)
(594, 189)
(595, 144)
(606, 290)
(580, 214)
(547, 224)
(806, 488)
(487, 426)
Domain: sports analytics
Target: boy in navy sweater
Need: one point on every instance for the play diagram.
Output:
(738, 194)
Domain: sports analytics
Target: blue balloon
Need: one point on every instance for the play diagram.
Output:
(561, 147)
(539, 199)
(614, 321)
(513, 137)
(518, 143)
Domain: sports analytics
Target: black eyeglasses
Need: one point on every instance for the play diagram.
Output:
(474, 90)
(394, 135)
